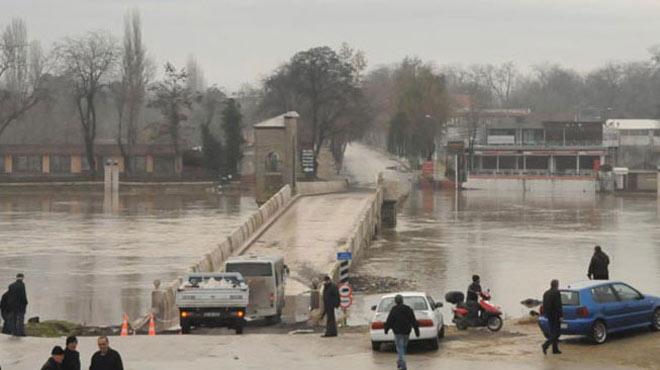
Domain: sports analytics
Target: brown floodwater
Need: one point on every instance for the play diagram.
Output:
(87, 262)
(516, 242)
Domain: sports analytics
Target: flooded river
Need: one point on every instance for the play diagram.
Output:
(86, 265)
(516, 242)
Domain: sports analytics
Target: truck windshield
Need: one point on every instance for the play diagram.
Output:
(251, 268)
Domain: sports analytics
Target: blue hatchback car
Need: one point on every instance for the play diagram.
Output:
(596, 308)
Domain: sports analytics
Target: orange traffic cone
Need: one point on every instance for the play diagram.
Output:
(124, 326)
(152, 326)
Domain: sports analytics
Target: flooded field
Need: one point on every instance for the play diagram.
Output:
(86, 265)
(516, 242)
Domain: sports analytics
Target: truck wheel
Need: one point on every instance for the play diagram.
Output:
(185, 328)
(239, 330)
(655, 325)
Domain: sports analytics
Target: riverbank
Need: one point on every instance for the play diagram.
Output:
(516, 346)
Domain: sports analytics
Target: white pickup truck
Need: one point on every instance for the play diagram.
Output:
(217, 299)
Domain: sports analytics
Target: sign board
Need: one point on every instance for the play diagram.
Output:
(345, 302)
(345, 290)
(344, 256)
(501, 139)
(307, 160)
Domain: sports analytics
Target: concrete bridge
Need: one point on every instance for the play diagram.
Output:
(305, 222)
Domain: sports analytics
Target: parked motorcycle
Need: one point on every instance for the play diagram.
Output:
(478, 314)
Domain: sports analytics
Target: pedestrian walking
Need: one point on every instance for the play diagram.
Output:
(401, 320)
(330, 302)
(71, 355)
(55, 360)
(598, 267)
(17, 301)
(106, 358)
(552, 309)
(4, 313)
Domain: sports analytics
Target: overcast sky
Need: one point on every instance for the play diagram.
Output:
(237, 41)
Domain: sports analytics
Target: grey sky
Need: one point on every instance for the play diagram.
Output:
(238, 41)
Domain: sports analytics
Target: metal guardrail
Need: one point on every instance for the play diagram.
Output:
(505, 172)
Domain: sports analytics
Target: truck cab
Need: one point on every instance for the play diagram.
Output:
(265, 275)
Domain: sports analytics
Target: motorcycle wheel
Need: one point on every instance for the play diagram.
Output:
(494, 323)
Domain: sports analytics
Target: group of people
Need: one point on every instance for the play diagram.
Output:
(68, 358)
(552, 305)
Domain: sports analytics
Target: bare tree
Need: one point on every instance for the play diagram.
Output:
(195, 81)
(22, 66)
(88, 62)
(129, 93)
(174, 100)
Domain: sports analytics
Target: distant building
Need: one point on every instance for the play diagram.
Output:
(61, 162)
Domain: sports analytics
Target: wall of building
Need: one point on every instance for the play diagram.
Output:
(541, 184)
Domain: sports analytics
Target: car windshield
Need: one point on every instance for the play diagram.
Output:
(251, 269)
(570, 298)
(417, 303)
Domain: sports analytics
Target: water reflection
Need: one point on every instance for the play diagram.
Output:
(87, 265)
(516, 242)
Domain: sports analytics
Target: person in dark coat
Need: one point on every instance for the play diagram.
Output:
(106, 358)
(330, 302)
(5, 313)
(71, 355)
(401, 320)
(55, 360)
(17, 302)
(472, 298)
(553, 311)
(598, 267)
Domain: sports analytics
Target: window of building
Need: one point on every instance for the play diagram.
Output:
(138, 164)
(27, 163)
(273, 162)
(60, 164)
(164, 165)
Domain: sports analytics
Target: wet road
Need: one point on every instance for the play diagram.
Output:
(516, 242)
(85, 265)
(310, 233)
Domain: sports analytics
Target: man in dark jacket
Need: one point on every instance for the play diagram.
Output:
(55, 360)
(598, 267)
(106, 358)
(401, 320)
(553, 311)
(17, 302)
(71, 355)
(472, 298)
(5, 314)
(330, 302)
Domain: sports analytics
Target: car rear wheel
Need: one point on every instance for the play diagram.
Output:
(599, 332)
(494, 323)
(655, 325)
(375, 346)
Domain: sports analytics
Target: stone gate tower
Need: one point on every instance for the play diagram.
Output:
(275, 153)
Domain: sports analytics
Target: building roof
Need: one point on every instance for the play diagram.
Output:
(277, 121)
(634, 124)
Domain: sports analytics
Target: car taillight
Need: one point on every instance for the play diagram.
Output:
(425, 323)
(376, 325)
(184, 314)
(582, 312)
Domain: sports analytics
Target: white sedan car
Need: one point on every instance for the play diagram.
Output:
(427, 313)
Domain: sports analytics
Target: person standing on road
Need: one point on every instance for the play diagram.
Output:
(55, 360)
(598, 267)
(106, 358)
(4, 313)
(71, 355)
(553, 311)
(330, 302)
(401, 320)
(17, 301)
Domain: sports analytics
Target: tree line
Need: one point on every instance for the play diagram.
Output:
(402, 107)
